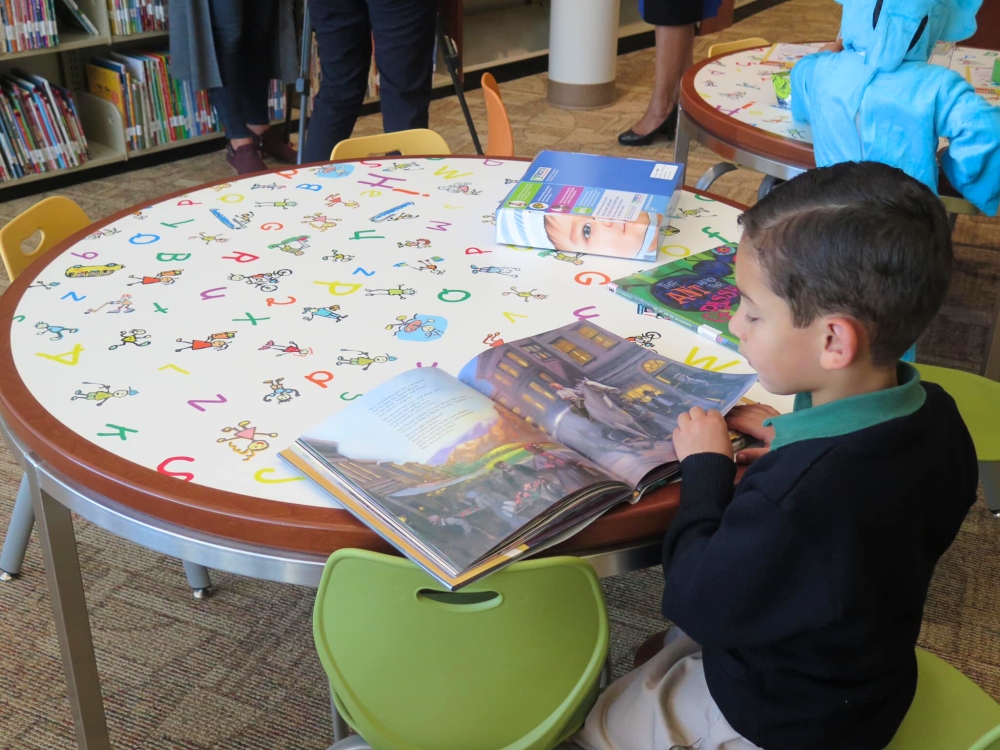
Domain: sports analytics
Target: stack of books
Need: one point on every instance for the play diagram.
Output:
(40, 129)
(156, 108)
(137, 16)
(28, 24)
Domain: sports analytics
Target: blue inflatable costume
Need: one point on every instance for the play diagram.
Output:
(880, 100)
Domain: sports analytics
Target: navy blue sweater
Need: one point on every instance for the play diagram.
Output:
(806, 586)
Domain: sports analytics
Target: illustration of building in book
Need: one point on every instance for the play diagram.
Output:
(600, 394)
(463, 476)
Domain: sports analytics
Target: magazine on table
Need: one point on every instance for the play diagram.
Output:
(533, 440)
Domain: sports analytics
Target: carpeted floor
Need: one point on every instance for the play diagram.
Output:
(239, 671)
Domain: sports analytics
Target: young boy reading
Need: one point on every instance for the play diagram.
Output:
(798, 597)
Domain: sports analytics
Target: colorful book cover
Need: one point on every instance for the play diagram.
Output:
(698, 292)
(106, 84)
(599, 205)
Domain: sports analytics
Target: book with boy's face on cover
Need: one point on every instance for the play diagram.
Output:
(534, 439)
(698, 291)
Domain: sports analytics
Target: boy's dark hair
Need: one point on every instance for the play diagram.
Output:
(861, 239)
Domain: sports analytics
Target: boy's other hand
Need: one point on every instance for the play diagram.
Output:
(749, 419)
(700, 431)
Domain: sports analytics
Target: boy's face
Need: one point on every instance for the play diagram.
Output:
(786, 358)
(585, 234)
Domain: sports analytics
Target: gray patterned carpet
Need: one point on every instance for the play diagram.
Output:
(239, 671)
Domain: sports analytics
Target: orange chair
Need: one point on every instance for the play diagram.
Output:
(500, 138)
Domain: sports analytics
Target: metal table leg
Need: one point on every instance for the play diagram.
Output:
(682, 141)
(69, 610)
(991, 365)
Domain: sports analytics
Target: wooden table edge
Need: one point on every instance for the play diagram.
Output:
(228, 515)
(736, 133)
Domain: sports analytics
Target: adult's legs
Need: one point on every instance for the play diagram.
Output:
(674, 55)
(260, 20)
(227, 33)
(343, 35)
(404, 49)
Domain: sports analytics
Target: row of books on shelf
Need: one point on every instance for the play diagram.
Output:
(40, 128)
(137, 16)
(156, 108)
(32, 24)
(28, 24)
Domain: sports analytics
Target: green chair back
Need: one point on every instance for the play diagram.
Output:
(949, 711)
(511, 662)
(978, 401)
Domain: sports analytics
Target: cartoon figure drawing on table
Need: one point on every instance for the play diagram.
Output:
(57, 331)
(102, 394)
(571, 233)
(398, 291)
(290, 348)
(244, 432)
(280, 393)
(217, 341)
(880, 100)
(135, 337)
(166, 278)
(364, 360)
(308, 313)
(338, 256)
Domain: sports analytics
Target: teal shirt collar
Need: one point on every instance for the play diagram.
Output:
(849, 414)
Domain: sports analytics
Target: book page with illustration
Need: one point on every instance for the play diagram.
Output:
(446, 466)
(611, 400)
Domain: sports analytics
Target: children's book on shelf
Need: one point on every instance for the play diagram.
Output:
(533, 440)
(40, 129)
(598, 205)
(698, 292)
(137, 16)
(71, 13)
(784, 55)
(28, 25)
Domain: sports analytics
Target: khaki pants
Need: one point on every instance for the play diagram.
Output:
(662, 705)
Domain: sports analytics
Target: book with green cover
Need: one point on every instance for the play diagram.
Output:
(698, 292)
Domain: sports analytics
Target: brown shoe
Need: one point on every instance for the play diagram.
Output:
(650, 648)
(245, 159)
(273, 144)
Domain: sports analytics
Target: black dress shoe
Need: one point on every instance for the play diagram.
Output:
(668, 128)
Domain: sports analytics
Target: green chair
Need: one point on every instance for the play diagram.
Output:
(949, 711)
(978, 401)
(511, 662)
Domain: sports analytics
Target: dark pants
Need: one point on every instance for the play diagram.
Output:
(242, 31)
(404, 33)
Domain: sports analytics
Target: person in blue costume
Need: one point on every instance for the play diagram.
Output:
(880, 100)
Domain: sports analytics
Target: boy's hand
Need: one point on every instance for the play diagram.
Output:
(699, 431)
(749, 420)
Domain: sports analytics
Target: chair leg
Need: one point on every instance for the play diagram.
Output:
(989, 475)
(768, 184)
(15, 544)
(706, 180)
(340, 729)
(198, 579)
(351, 743)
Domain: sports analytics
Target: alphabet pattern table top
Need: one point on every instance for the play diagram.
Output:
(738, 85)
(200, 335)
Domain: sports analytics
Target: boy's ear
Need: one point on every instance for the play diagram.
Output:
(844, 339)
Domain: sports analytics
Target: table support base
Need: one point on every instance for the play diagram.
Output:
(69, 610)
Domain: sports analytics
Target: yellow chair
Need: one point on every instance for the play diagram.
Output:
(56, 218)
(500, 137)
(419, 141)
(724, 48)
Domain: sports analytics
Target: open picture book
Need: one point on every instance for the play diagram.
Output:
(533, 440)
